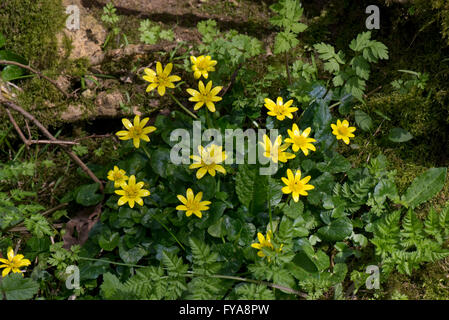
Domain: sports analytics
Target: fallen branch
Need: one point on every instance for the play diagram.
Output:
(15, 107)
(52, 142)
(94, 136)
(13, 63)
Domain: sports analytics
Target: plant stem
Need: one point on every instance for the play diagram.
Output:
(174, 237)
(182, 107)
(288, 69)
(269, 204)
(191, 274)
(208, 121)
(112, 262)
(146, 151)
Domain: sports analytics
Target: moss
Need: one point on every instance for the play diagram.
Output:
(30, 27)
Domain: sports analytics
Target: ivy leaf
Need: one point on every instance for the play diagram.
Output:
(109, 241)
(424, 187)
(159, 160)
(363, 120)
(15, 287)
(87, 195)
(132, 255)
(337, 230)
(399, 135)
(251, 188)
(217, 229)
(2, 40)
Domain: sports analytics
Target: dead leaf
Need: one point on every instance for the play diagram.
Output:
(82, 223)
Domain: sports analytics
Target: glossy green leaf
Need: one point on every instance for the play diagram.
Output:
(363, 120)
(10, 73)
(399, 135)
(15, 287)
(87, 195)
(337, 230)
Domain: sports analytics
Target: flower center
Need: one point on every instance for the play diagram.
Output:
(202, 65)
(296, 186)
(343, 131)
(132, 192)
(135, 132)
(162, 79)
(299, 140)
(193, 205)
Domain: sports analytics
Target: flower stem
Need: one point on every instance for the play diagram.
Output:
(208, 121)
(191, 274)
(182, 107)
(146, 151)
(174, 237)
(269, 205)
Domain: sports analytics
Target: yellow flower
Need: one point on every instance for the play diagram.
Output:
(160, 79)
(192, 204)
(13, 263)
(343, 131)
(279, 109)
(300, 140)
(295, 185)
(132, 192)
(202, 65)
(263, 243)
(136, 131)
(208, 161)
(276, 152)
(118, 176)
(206, 95)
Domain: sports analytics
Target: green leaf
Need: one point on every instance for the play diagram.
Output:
(363, 120)
(15, 287)
(87, 195)
(110, 285)
(361, 42)
(337, 230)
(11, 56)
(399, 135)
(132, 255)
(251, 188)
(159, 160)
(217, 229)
(336, 164)
(284, 42)
(11, 73)
(294, 209)
(385, 188)
(109, 241)
(424, 187)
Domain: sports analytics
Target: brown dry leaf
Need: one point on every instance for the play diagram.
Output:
(82, 223)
